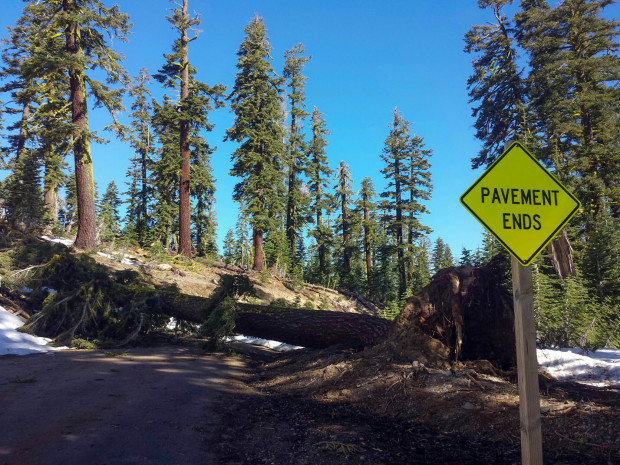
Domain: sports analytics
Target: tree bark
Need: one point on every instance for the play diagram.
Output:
(307, 328)
(560, 253)
(86, 238)
(259, 257)
(185, 243)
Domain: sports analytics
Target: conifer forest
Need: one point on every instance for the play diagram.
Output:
(544, 73)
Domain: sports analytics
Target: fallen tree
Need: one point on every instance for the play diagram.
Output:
(464, 313)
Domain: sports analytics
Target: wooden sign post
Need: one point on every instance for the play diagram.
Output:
(527, 364)
(524, 207)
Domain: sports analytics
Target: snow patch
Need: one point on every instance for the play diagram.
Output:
(58, 240)
(12, 342)
(273, 345)
(600, 368)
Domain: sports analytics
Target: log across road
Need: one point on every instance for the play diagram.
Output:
(148, 406)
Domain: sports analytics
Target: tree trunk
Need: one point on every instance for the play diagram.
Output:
(307, 328)
(85, 184)
(185, 243)
(346, 258)
(560, 253)
(259, 257)
(310, 328)
(464, 313)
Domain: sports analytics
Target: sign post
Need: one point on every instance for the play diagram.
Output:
(523, 206)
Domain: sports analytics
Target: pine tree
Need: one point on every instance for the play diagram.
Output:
(407, 170)
(203, 191)
(166, 174)
(297, 159)
(23, 202)
(420, 187)
(139, 194)
(38, 93)
(395, 156)
(255, 102)
(344, 193)
(466, 258)
(85, 24)
(108, 215)
(229, 249)
(496, 86)
(421, 275)
(439, 255)
(189, 115)
(319, 174)
(367, 207)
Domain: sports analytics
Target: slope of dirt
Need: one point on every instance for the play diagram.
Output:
(202, 279)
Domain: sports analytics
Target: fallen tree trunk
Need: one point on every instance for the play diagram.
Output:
(296, 326)
(310, 328)
(464, 313)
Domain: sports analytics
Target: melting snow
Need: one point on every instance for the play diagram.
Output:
(12, 342)
(58, 240)
(256, 341)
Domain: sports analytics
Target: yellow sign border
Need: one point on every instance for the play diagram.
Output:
(526, 261)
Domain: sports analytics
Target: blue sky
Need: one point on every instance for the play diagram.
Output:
(368, 57)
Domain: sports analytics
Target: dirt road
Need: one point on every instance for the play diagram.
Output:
(146, 406)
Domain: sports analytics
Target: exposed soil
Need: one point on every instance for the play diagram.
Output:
(333, 407)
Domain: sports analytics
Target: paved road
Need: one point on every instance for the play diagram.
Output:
(151, 406)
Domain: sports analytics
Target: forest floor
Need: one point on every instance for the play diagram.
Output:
(337, 406)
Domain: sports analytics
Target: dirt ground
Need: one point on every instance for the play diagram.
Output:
(143, 406)
(175, 404)
(338, 406)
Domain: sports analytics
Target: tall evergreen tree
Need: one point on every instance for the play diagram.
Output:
(367, 207)
(297, 159)
(421, 275)
(85, 23)
(343, 191)
(496, 87)
(407, 170)
(442, 255)
(319, 174)
(141, 141)
(190, 115)
(255, 102)
(108, 214)
(395, 155)
(166, 173)
(39, 93)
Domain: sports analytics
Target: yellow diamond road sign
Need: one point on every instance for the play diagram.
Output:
(521, 203)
